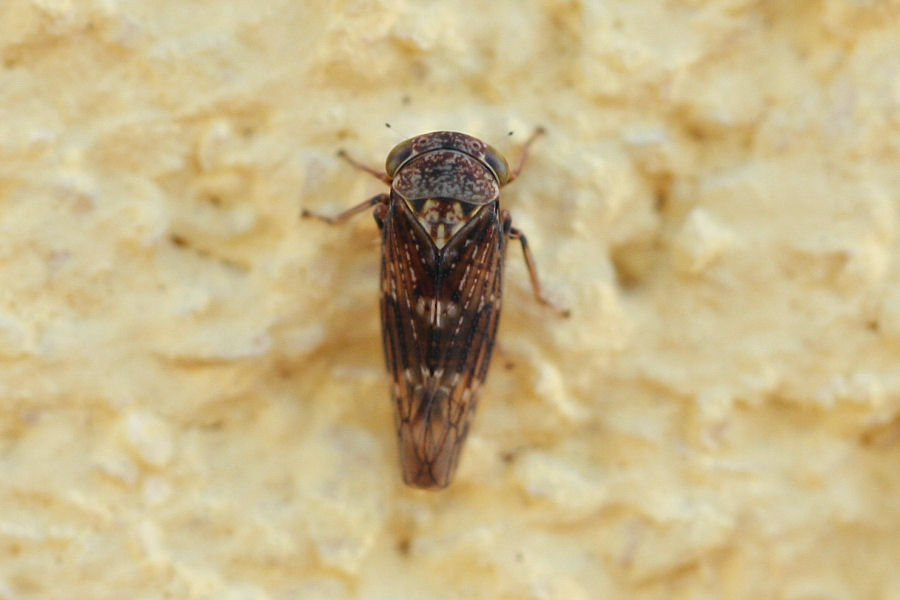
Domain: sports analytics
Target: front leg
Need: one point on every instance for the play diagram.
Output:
(380, 203)
(371, 171)
(515, 174)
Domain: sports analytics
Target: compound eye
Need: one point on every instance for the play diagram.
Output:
(497, 164)
(397, 157)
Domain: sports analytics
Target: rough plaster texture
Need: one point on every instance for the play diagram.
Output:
(192, 397)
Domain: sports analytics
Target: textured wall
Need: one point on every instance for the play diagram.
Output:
(192, 397)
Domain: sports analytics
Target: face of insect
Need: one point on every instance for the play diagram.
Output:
(485, 154)
(445, 177)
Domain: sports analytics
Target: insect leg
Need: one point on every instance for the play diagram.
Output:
(358, 165)
(515, 234)
(537, 132)
(339, 218)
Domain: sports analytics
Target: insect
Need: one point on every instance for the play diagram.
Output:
(444, 239)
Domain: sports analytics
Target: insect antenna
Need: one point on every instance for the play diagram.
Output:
(400, 137)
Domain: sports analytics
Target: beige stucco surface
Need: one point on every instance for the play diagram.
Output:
(192, 396)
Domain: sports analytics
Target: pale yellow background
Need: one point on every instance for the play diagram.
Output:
(192, 396)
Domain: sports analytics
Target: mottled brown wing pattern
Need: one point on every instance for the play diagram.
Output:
(470, 289)
(440, 309)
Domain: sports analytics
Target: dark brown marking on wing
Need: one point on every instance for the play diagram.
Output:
(440, 311)
(408, 263)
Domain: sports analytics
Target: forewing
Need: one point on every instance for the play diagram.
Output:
(470, 293)
(408, 274)
(440, 312)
